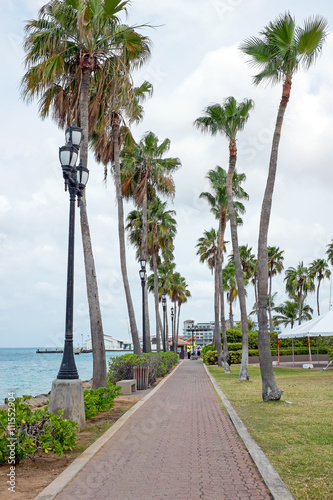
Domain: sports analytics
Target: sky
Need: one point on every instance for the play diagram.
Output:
(195, 62)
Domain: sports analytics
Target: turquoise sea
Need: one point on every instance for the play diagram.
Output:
(23, 371)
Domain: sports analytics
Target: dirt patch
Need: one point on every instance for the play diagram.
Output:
(33, 476)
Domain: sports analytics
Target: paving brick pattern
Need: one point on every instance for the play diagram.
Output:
(180, 444)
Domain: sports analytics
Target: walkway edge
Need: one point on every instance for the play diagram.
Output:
(61, 481)
(273, 481)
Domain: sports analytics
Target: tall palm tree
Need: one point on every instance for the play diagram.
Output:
(229, 118)
(106, 141)
(166, 270)
(230, 285)
(71, 46)
(319, 269)
(179, 294)
(275, 266)
(282, 49)
(288, 313)
(218, 201)
(298, 283)
(146, 172)
(161, 232)
(208, 245)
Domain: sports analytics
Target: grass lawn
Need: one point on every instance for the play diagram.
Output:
(295, 433)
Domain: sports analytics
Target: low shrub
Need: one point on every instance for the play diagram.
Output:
(206, 349)
(101, 399)
(159, 363)
(235, 357)
(235, 346)
(25, 432)
(210, 357)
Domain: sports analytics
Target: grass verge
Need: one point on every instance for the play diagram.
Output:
(295, 433)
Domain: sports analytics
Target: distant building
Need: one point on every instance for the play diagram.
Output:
(113, 344)
(200, 333)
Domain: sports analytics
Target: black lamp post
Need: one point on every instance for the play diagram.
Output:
(165, 345)
(142, 274)
(76, 179)
(172, 328)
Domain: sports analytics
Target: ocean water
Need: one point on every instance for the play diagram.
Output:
(25, 372)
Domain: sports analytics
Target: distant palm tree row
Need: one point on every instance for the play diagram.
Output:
(299, 281)
(280, 51)
(80, 59)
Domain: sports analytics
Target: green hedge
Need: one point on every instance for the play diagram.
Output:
(160, 363)
(235, 346)
(210, 358)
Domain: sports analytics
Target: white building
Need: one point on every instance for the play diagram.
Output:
(112, 344)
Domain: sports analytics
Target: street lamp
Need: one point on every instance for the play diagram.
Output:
(165, 348)
(172, 328)
(142, 274)
(67, 390)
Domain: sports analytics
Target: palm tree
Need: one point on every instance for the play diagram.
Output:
(165, 272)
(208, 251)
(161, 232)
(71, 46)
(179, 294)
(278, 54)
(275, 266)
(106, 142)
(230, 285)
(228, 119)
(319, 269)
(219, 207)
(288, 313)
(298, 283)
(144, 173)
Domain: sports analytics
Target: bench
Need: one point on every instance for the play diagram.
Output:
(127, 386)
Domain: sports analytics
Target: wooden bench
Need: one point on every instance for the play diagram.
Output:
(127, 386)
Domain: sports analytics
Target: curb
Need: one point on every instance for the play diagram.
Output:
(58, 484)
(273, 481)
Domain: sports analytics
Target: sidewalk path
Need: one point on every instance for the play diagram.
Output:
(180, 444)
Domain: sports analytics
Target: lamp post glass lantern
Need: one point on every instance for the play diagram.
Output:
(142, 274)
(75, 181)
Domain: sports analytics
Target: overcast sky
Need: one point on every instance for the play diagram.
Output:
(195, 62)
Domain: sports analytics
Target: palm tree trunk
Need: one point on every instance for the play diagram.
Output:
(96, 325)
(166, 327)
(244, 369)
(270, 303)
(175, 346)
(160, 325)
(256, 294)
(225, 352)
(177, 329)
(270, 390)
(231, 316)
(156, 296)
(144, 253)
(217, 333)
(318, 297)
(121, 232)
(300, 305)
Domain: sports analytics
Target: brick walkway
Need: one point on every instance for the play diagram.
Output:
(179, 445)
